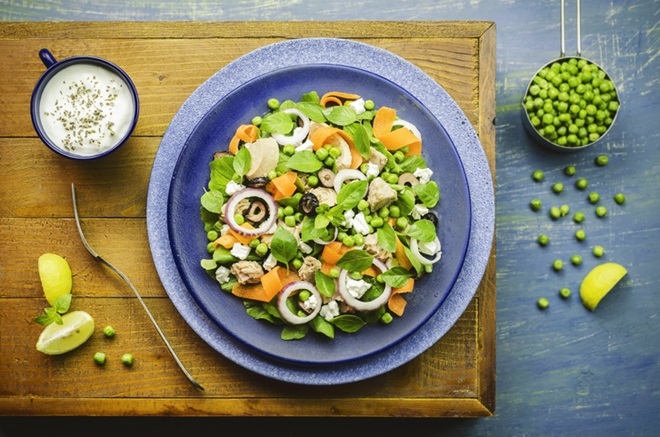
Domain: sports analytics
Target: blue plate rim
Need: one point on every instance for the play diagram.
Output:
(417, 83)
(177, 256)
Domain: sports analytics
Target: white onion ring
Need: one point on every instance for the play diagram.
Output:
(415, 251)
(345, 175)
(246, 193)
(411, 127)
(357, 304)
(323, 243)
(286, 314)
(299, 133)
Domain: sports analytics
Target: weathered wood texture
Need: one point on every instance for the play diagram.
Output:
(456, 377)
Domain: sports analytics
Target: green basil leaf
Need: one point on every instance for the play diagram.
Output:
(58, 319)
(391, 162)
(340, 115)
(320, 325)
(277, 123)
(308, 230)
(242, 161)
(222, 171)
(396, 276)
(321, 221)
(294, 332)
(287, 104)
(405, 201)
(50, 311)
(360, 139)
(63, 303)
(324, 283)
(386, 237)
(313, 110)
(412, 163)
(311, 96)
(355, 260)
(283, 246)
(208, 218)
(351, 194)
(304, 161)
(348, 322)
(428, 193)
(414, 261)
(208, 264)
(44, 319)
(281, 163)
(212, 201)
(258, 312)
(366, 115)
(222, 255)
(422, 230)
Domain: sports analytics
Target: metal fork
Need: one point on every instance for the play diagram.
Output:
(125, 278)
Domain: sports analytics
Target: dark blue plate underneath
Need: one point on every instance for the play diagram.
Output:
(213, 133)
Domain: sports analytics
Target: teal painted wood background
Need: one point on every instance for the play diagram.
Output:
(562, 371)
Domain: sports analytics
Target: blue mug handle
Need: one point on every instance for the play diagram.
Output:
(47, 58)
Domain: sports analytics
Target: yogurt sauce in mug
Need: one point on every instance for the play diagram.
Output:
(86, 109)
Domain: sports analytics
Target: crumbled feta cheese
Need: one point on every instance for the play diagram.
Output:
(222, 274)
(311, 303)
(358, 105)
(357, 288)
(270, 262)
(423, 174)
(359, 223)
(428, 248)
(372, 169)
(224, 229)
(233, 187)
(304, 247)
(418, 211)
(307, 145)
(330, 311)
(240, 251)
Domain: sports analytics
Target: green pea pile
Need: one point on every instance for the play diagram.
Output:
(571, 103)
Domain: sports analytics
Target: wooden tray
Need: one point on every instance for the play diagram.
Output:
(168, 61)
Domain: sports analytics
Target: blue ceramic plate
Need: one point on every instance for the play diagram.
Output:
(191, 176)
(338, 52)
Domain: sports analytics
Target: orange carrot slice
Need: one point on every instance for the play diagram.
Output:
(247, 133)
(332, 252)
(383, 121)
(328, 99)
(396, 303)
(326, 267)
(400, 138)
(371, 271)
(322, 136)
(227, 241)
(400, 255)
(405, 288)
(334, 96)
(258, 292)
(285, 184)
(243, 239)
(272, 283)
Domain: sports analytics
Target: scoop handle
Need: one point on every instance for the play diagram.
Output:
(563, 32)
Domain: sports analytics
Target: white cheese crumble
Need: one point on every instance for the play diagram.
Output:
(304, 247)
(311, 303)
(240, 251)
(233, 187)
(360, 224)
(423, 174)
(358, 105)
(224, 229)
(418, 211)
(270, 262)
(307, 145)
(372, 169)
(429, 248)
(222, 274)
(329, 311)
(357, 288)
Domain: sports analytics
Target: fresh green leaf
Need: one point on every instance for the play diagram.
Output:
(44, 319)
(366, 115)
(321, 221)
(242, 161)
(351, 194)
(311, 96)
(271, 309)
(391, 162)
(396, 276)
(313, 110)
(222, 255)
(287, 104)
(386, 237)
(229, 285)
(289, 201)
(405, 201)
(222, 171)
(304, 161)
(348, 322)
(277, 123)
(208, 218)
(208, 264)
(258, 312)
(283, 246)
(324, 283)
(308, 231)
(63, 303)
(212, 201)
(360, 139)
(355, 260)
(412, 163)
(414, 261)
(428, 193)
(295, 332)
(281, 163)
(422, 230)
(340, 115)
(319, 324)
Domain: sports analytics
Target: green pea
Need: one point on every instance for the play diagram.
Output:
(580, 235)
(349, 241)
(537, 175)
(261, 249)
(384, 212)
(304, 295)
(290, 221)
(288, 210)
(581, 184)
(594, 197)
(399, 156)
(569, 170)
(565, 293)
(364, 168)
(576, 260)
(393, 179)
(535, 204)
(395, 211)
(273, 104)
(289, 150)
(322, 153)
(257, 120)
(329, 161)
(558, 187)
(239, 219)
(557, 265)
(543, 240)
(386, 318)
(563, 210)
(334, 272)
(542, 303)
(210, 248)
(377, 222)
(355, 276)
(297, 263)
(127, 359)
(602, 160)
(601, 211)
(359, 239)
(313, 180)
(99, 358)
(212, 235)
(555, 212)
(619, 198)
(369, 105)
(335, 152)
(401, 223)
(280, 212)
(109, 331)
(254, 243)
(296, 197)
(272, 175)
(598, 251)
(362, 205)
(578, 217)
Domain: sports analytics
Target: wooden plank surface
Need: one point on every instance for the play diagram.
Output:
(456, 377)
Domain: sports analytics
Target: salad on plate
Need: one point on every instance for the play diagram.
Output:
(319, 215)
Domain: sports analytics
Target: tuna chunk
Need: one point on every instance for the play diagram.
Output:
(326, 196)
(377, 158)
(372, 247)
(380, 194)
(307, 272)
(247, 272)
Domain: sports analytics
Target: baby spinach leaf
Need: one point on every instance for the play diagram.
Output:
(212, 201)
(281, 163)
(319, 324)
(294, 332)
(222, 171)
(422, 230)
(386, 237)
(412, 163)
(309, 232)
(242, 161)
(340, 115)
(208, 218)
(287, 104)
(360, 139)
(283, 246)
(277, 123)
(324, 283)
(396, 276)
(351, 194)
(258, 312)
(313, 110)
(348, 322)
(366, 115)
(428, 193)
(304, 161)
(355, 260)
(321, 221)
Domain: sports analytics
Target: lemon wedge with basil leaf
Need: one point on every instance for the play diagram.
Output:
(76, 328)
(55, 275)
(599, 281)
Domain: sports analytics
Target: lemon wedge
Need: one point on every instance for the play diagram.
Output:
(599, 281)
(76, 328)
(55, 275)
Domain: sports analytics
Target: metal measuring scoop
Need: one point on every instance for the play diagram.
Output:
(125, 278)
(527, 123)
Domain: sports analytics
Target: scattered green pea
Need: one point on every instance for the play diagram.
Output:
(384, 212)
(576, 260)
(601, 211)
(602, 160)
(565, 293)
(272, 175)
(569, 170)
(535, 204)
(290, 221)
(402, 223)
(261, 249)
(127, 359)
(555, 212)
(557, 265)
(322, 154)
(543, 240)
(359, 239)
(257, 120)
(312, 180)
(289, 149)
(564, 210)
(580, 235)
(619, 198)
(395, 211)
(297, 263)
(386, 318)
(355, 275)
(537, 175)
(578, 217)
(335, 152)
(362, 205)
(99, 358)
(304, 295)
(329, 161)
(349, 241)
(289, 210)
(543, 303)
(558, 187)
(212, 235)
(598, 251)
(369, 105)
(273, 104)
(377, 222)
(109, 331)
(334, 272)
(581, 184)
(594, 197)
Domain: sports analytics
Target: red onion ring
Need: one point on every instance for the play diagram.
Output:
(345, 175)
(358, 304)
(414, 248)
(246, 193)
(299, 133)
(286, 314)
(323, 243)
